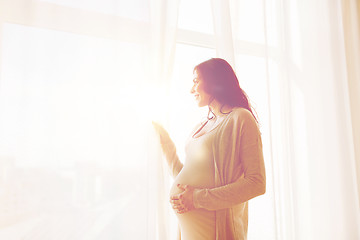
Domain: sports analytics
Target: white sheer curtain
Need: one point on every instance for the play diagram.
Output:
(80, 83)
(307, 99)
(314, 164)
(351, 24)
(81, 80)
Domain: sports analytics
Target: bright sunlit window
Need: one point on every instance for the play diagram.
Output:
(251, 71)
(196, 16)
(134, 9)
(69, 136)
(76, 108)
(62, 96)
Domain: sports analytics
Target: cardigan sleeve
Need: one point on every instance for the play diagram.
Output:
(172, 158)
(238, 149)
(169, 150)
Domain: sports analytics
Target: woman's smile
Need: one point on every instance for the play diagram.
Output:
(198, 91)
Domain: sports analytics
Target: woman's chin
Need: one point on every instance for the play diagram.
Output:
(200, 104)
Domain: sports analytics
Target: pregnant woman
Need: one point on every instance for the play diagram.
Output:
(224, 165)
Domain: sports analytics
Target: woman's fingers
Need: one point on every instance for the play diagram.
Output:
(159, 128)
(182, 186)
(181, 211)
(178, 204)
(185, 187)
(183, 202)
(164, 135)
(180, 208)
(176, 200)
(177, 197)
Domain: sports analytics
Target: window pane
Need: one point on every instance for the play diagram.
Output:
(82, 82)
(185, 112)
(251, 72)
(69, 137)
(134, 9)
(248, 16)
(272, 21)
(196, 16)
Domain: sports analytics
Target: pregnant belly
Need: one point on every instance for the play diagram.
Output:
(193, 177)
(197, 224)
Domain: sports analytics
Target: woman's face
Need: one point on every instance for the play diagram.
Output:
(202, 98)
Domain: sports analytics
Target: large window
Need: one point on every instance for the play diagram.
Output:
(76, 102)
(196, 43)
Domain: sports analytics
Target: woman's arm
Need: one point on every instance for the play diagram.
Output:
(172, 158)
(240, 143)
(250, 185)
(169, 150)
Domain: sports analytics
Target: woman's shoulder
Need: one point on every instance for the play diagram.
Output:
(241, 114)
(240, 121)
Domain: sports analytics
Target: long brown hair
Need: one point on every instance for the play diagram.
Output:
(220, 82)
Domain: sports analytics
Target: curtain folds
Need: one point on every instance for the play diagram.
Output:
(81, 80)
(316, 152)
(78, 83)
(223, 30)
(164, 17)
(311, 50)
(351, 19)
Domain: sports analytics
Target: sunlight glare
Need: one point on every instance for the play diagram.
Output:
(152, 103)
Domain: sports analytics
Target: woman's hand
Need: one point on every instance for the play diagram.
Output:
(164, 135)
(183, 202)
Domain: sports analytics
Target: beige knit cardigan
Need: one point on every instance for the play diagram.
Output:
(239, 173)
